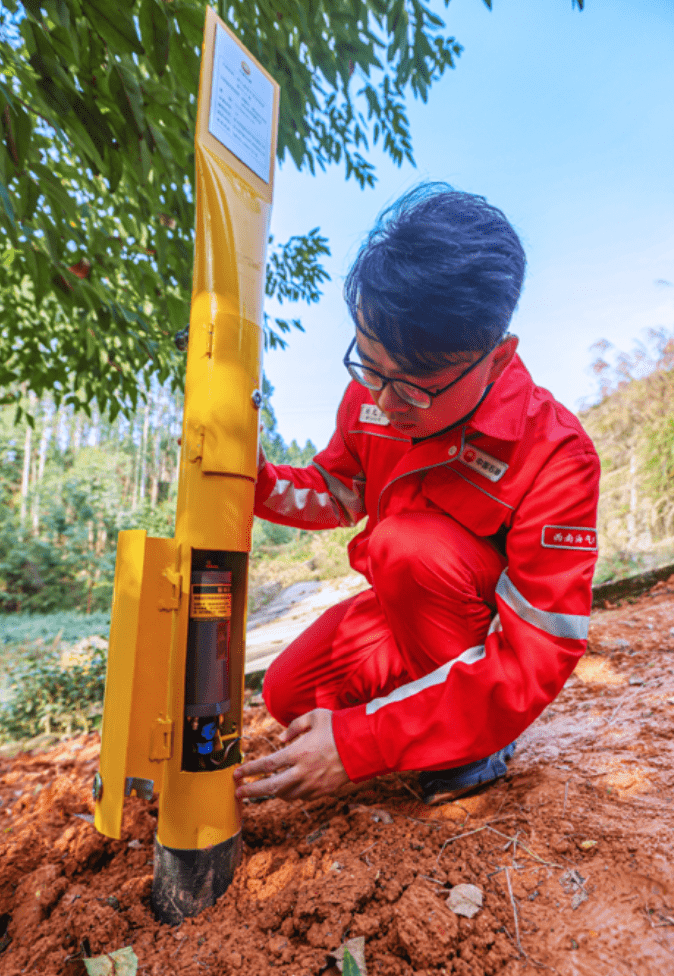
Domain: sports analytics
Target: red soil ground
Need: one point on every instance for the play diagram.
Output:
(572, 850)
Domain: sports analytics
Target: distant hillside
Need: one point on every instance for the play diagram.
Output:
(633, 431)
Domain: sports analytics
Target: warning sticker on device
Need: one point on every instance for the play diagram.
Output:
(209, 601)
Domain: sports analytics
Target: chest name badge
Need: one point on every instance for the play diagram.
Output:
(569, 537)
(371, 414)
(486, 465)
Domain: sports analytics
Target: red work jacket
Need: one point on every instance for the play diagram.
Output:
(522, 472)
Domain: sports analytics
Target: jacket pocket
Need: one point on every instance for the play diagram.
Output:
(477, 507)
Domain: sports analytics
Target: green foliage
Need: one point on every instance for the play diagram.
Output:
(97, 119)
(88, 482)
(266, 534)
(47, 697)
(618, 565)
(632, 426)
(660, 447)
(58, 531)
(293, 274)
(158, 520)
(70, 564)
(66, 625)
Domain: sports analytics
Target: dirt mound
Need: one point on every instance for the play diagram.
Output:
(571, 851)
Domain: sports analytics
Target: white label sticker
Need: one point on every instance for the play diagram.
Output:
(486, 465)
(371, 414)
(242, 105)
(569, 537)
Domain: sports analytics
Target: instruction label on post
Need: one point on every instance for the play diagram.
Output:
(242, 105)
(210, 601)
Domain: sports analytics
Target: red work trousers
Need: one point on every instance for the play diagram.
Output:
(432, 597)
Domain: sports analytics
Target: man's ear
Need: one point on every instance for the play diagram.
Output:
(502, 357)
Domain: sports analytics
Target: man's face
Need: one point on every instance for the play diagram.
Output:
(449, 407)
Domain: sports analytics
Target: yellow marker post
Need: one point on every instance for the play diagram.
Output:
(173, 700)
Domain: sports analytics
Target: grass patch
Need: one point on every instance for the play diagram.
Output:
(53, 691)
(43, 688)
(68, 625)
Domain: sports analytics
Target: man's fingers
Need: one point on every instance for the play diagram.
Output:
(297, 727)
(267, 764)
(278, 784)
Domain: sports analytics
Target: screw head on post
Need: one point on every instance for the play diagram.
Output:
(97, 788)
(256, 397)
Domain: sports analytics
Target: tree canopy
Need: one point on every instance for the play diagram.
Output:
(97, 110)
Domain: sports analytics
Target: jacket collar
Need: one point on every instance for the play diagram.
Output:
(503, 412)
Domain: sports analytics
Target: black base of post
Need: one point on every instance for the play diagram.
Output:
(186, 882)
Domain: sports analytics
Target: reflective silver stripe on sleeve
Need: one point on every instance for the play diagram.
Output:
(351, 501)
(437, 677)
(572, 625)
(306, 503)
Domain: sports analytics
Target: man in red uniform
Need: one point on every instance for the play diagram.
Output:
(480, 494)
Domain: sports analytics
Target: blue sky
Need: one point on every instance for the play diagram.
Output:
(562, 119)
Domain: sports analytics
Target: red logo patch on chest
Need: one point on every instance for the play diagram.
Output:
(486, 465)
(569, 537)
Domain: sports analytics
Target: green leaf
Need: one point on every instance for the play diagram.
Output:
(6, 94)
(122, 962)
(184, 63)
(145, 158)
(42, 275)
(190, 18)
(115, 165)
(124, 87)
(66, 43)
(56, 194)
(21, 127)
(116, 27)
(179, 312)
(54, 96)
(7, 206)
(63, 14)
(155, 30)
(33, 8)
(350, 967)
(51, 238)
(161, 143)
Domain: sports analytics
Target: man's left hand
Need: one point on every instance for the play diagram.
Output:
(308, 767)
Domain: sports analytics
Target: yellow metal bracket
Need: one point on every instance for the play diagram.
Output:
(161, 740)
(137, 734)
(195, 442)
(170, 588)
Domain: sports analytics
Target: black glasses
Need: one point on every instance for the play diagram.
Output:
(415, 395)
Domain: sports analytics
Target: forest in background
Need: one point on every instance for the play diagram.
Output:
(632, 426)
(70, 483)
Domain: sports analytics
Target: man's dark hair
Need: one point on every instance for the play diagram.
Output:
(439, 274)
